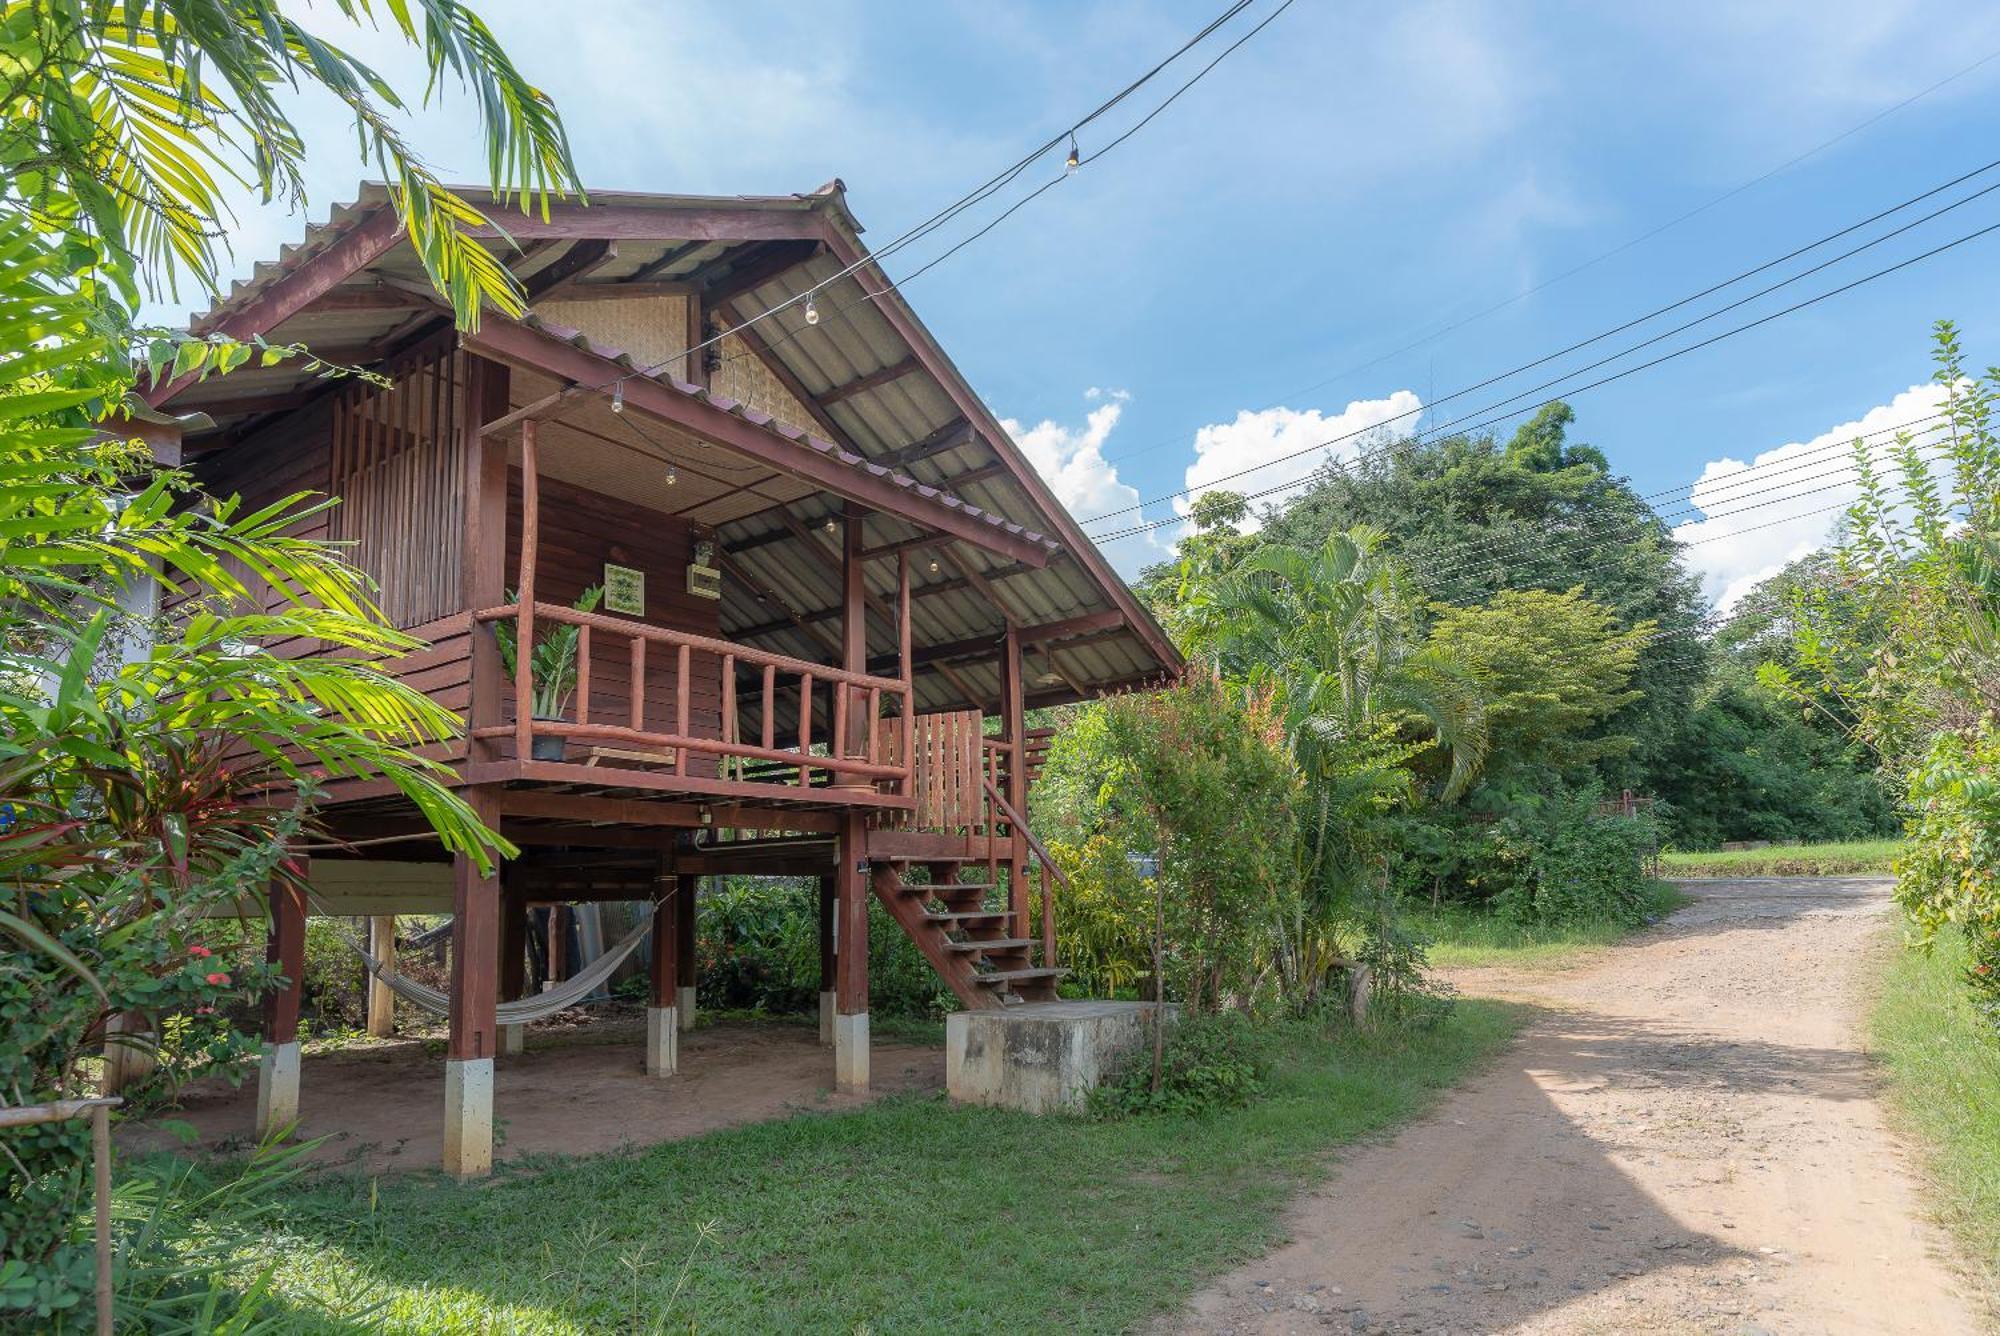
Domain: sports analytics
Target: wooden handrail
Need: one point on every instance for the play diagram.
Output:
(716, 746)
(665, 635)
(1015, 819)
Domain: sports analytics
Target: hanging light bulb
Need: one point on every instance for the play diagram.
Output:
(1075, 159)
(832, 524)
(618, 396)
(812, 312)
(934, 566)
(673, 475)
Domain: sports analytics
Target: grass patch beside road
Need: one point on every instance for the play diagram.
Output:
(1944, 1067)
(1846, 859)
(909, 1215)
(1463, 937)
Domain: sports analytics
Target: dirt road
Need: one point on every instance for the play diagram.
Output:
(1687, 1139)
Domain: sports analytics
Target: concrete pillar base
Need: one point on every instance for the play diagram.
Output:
(468, 1117)
(513, 1041)
(663, 1041)
(277, 1089)
(850, 1052)
(685, 1006)
(826, 1010)
(1042, 1056)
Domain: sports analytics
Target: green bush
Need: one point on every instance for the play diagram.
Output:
(757, 949)
(1949, 874)
(1566, 863)
(1209, 1062)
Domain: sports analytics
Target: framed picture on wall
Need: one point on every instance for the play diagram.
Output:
(624, 590)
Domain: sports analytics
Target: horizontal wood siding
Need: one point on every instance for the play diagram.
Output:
(581, 530)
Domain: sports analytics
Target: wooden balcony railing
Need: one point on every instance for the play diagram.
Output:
(866, 746)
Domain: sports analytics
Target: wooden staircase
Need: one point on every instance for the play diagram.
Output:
(965, 928)
(966, 900)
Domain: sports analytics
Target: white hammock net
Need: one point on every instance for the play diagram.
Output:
(541, 1006)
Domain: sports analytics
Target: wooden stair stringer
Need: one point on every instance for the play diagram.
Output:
(954, 967)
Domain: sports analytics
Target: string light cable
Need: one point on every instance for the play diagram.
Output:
(985, 190)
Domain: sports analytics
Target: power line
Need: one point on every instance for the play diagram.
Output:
(1570, 392)
(997, 182)
(1625, 352)
(1643, 237)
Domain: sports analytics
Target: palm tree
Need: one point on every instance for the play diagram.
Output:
(1333, 633)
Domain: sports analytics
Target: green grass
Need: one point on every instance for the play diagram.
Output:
(1944, 1079)
(1464, 937)
(909, 1215)
(1787, 860)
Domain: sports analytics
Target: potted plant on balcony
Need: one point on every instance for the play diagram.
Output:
(551, 670)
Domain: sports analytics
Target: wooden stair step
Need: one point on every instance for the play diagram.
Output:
(999, 977)
(960, 916)
(991, 944)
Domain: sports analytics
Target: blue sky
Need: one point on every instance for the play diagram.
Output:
(1348, 182)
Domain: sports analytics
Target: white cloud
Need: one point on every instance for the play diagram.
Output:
(1758, 517)
(1071, 460)
(1290, 444)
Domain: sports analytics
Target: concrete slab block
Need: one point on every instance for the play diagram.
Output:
(1042, 1056)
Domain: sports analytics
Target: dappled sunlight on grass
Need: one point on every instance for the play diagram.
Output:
(1845, 858)
(911, 1214)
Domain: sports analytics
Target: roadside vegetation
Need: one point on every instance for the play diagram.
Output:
(824, 1222)
(1944, 1079)
(1463, 937)
(1840, 858)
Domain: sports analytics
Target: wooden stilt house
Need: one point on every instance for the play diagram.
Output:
(825, 568)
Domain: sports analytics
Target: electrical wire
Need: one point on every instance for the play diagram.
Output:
(1565, 394)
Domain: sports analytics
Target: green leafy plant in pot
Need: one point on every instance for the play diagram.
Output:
(551, 669)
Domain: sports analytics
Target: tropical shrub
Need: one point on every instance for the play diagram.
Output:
(1949, 878)
(757, 948)
(1207, 1063)
(1562, 861)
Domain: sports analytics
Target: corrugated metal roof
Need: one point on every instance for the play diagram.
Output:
(853, 339)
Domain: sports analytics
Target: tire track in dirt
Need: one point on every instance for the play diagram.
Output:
(1688, 1138)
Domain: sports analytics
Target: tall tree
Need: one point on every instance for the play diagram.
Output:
(1473, 516)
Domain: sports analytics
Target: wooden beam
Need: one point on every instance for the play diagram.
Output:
(265, 403)
(483, 550)
(673, 256)
(531, 412)
(772, 596)
(610, 290)
(290, 293)
(847, 249)
(374, 296)
(754, 271)
(948, 437)
(574, 264)
(637, 222)
(475, 947)
(863, 384)
(1106, 623)
(517, 344)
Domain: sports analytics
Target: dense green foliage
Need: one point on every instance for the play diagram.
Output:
(757, 949)
(137, 745)
(1909, 645)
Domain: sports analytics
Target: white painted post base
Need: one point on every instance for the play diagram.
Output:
(663, 1041)
(850, 1052)
(513, 1041)
(685, 1007)
(468, 1117)
(277, 1089)
(826, 1009)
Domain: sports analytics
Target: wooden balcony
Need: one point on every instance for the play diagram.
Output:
(673, 712)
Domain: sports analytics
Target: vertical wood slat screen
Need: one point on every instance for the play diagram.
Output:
(396, 469)
(949, 793)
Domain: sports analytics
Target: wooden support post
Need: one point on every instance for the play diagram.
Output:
(278, 1071)
(849, 732)
(663, 1039)
(907, 670)
(1014, 729)
(513, 958)
(827, 967)
(524, 625)
(483, 556)
(381, 998)
(850, 893)
(475, 959)
(558, 943)
(684, 926)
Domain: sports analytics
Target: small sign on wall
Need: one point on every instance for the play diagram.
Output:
(624, 590)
